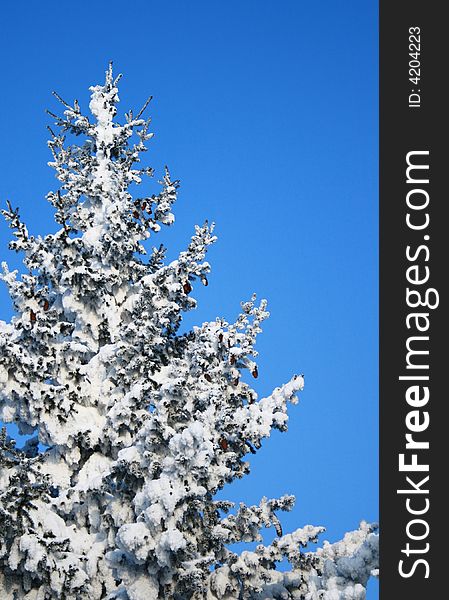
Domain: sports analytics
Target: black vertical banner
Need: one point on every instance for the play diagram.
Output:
(414, 357)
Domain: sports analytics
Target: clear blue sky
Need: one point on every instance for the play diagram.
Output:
(267, 112)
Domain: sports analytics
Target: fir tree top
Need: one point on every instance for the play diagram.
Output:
(139, 425)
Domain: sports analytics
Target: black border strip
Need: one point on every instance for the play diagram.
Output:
(414, 124)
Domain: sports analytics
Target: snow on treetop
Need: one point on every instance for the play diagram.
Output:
(139, 425)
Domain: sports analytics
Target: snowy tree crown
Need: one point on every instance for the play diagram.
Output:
(135, 427)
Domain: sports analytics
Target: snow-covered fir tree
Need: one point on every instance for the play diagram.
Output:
(135, 427)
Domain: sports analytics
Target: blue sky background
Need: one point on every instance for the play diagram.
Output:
(267, 112)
